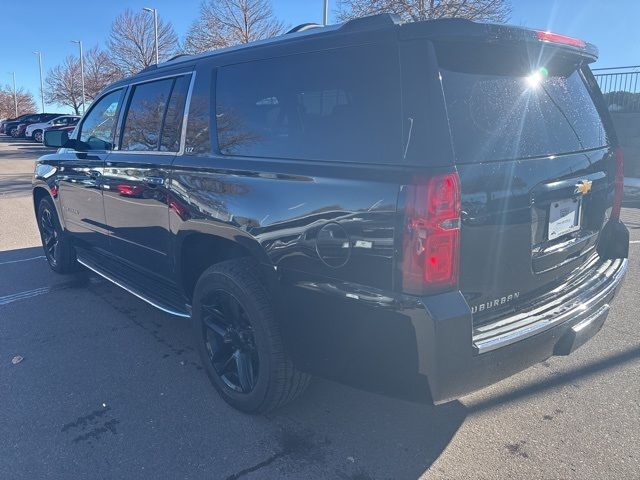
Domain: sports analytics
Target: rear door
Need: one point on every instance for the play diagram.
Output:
(137, 173)
(535, 165)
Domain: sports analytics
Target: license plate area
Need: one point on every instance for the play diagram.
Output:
(564, 217)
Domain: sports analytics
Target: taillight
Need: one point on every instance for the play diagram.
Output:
(431, 244)
(562, 39)
(619, 184)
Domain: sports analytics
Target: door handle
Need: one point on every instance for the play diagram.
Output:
(153, 180)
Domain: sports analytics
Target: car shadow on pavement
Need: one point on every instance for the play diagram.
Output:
(615, 360)
(13, 185)
(333, 431)
(21, 148)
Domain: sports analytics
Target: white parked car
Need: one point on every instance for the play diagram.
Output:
(35, 130)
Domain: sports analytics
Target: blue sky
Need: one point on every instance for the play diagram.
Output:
(49, 26)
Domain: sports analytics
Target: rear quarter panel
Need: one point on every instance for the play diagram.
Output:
(326, 230)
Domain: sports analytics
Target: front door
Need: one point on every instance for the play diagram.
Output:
(136, 175)
(80, 185)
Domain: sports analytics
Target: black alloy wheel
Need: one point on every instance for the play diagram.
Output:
(239, 340)
(49, 235)
(229, 341)
(59, 252)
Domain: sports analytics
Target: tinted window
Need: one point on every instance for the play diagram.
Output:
(170, 139)
(338, 104)
(144, 117)
(198, 139)
(98, 125)
(511, 109)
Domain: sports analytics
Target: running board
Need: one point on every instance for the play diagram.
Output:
(124, 277)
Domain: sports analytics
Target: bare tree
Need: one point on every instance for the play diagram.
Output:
(64, 84)
(223, 23)
(26, 102)
(99, 72)
(131, 43)
(416, 10)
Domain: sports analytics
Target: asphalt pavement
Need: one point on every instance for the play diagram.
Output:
(109, 387)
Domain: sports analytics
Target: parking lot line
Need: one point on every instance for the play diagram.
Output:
(7, 299)
(22, 260)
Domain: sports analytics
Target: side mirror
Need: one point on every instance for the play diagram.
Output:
(56, 138)
(60, 139)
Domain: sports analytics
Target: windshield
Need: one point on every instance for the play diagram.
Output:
(512, 108)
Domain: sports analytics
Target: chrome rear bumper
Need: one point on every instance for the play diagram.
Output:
(581, 301)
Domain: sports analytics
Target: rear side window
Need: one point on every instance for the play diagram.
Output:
(510, 104)
(341, 105)
(154, 118)
(142, 124)
(172, 128)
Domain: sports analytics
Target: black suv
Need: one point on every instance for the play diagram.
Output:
(436, 200)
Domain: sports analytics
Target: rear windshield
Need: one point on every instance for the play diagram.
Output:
(510, 104)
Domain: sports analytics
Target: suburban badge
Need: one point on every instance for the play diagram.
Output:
(495, 302)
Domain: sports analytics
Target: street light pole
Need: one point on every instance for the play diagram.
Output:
(41, 83)
(15, 93)
(325, 13)
(79, 42)
(155, 27)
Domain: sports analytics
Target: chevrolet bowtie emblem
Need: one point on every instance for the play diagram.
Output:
(583, 187)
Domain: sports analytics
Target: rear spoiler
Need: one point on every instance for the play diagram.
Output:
(457, 29)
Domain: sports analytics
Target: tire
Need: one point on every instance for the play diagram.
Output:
(37, 136)
(236, 334)
(13, 132)
(60, 255)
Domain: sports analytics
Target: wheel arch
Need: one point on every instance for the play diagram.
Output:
(198, 250)
(40, 191)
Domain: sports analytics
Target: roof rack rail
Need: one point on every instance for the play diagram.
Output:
(304, 26)
(155, 65)
(373, 21)
(178, 56)
(149, 67)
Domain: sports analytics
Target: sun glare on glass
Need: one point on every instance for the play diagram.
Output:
(535, 79)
